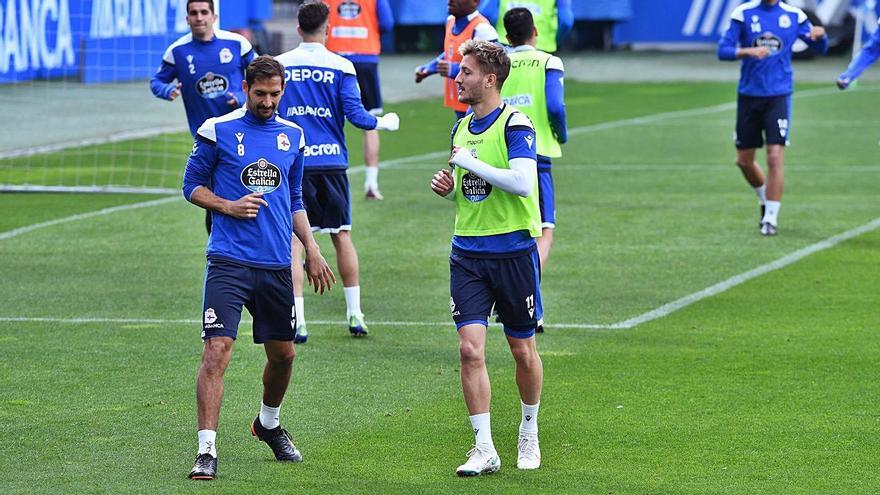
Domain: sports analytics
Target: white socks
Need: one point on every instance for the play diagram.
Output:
(529, 422)
(269, 416)
(299, 305)
(352, 301)
(771, 211)
(207, 439)
(761, 191)
(482, 429)
(371, 178)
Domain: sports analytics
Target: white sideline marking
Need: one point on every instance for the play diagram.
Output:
(80, 216)
(744, 277)
(654, 314)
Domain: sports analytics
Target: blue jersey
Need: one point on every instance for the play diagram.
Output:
(210, 72)
(869, 54)
(321, 91)
(238, 154)
(518, 133)
(777, 27)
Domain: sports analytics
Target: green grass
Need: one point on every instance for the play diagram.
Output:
(766, 388)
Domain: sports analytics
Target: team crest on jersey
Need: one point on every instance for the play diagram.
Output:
(349, 10)
(283, 142)
(261, 176)
(210, 316)
(784, 21)
(225, 56)
(212, 85)
(770, 41)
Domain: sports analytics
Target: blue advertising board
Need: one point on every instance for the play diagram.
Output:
(97, 40)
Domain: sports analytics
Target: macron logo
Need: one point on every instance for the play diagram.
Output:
(529, 140)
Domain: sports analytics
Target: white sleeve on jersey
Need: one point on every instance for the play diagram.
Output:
(555, 63)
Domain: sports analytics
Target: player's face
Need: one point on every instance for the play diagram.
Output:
(263, 96)
(200, 18)
(470, 81)
(462, 7)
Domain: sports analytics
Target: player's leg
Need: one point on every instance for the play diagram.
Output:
(271, 306)
(547, 204)
(349, 270)
(226, 290)
(470, 303)
(298, 275)
(518, 295)
(777, 127)
(749, 137)
(371, 97)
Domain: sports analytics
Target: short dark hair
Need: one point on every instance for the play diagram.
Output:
(312, 15)
(209, 2)
(519, 25)
(491, 58)
(263, 67)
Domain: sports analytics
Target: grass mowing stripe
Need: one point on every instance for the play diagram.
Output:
(113, 138)
(81, 216)
(744, 277)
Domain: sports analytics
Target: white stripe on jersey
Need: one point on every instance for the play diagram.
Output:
(738, 13)
(315, 55)
(169, 57)
(302, 134)
(800, 13)
(228, 35)
(208, 130)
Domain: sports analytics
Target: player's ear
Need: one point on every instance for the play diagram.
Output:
(535, 31)
(244, 86)
(491, 80)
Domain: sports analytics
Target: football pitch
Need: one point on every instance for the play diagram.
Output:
(765, 383)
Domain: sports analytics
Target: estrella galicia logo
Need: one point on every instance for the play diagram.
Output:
(475, 188)
(261, 176)
(212, 85)
(770, 41)
(349, 10)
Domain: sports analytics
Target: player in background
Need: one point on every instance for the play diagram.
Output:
(762, 33)
(553, 19)
(355, 29)
(464, 23)
(866, 57)
(494, 259)
(322, 91)
(206, 67)
(246, 169)
(536, 88)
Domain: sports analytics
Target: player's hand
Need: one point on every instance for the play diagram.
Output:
(758, 52)
(843, 82)
(388, 122)
(174, 92)
(421, 74)
(443, 68)
(461, 157)
(442, 183)
(231, 101)
(246, 206)
(320, 275)
(817, 33)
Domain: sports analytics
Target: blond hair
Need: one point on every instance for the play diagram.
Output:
(491, 58)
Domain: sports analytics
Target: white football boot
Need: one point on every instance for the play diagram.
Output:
(529, 453)
(482, 459)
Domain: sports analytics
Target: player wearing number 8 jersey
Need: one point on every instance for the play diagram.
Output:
(494, 258)
(765, 31)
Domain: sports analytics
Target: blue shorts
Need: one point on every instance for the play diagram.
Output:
(267, 294)
(327, 200)
(546, 195)
(371, 92)
(511, 284)
(760, 116)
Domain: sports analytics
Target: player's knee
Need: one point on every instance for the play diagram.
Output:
(525, 355)
(470, 353)
(216, 355)
(282, 357)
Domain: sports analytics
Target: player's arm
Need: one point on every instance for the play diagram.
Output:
(522, 159)
(199, 169)
(727, 45)
(869, 54)
(443, 182)
(320, 275)
(430, 68)
(814, 36)
(554, 88)
(162, 83)
(385, 16)
(565, 16)
(353, 108)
